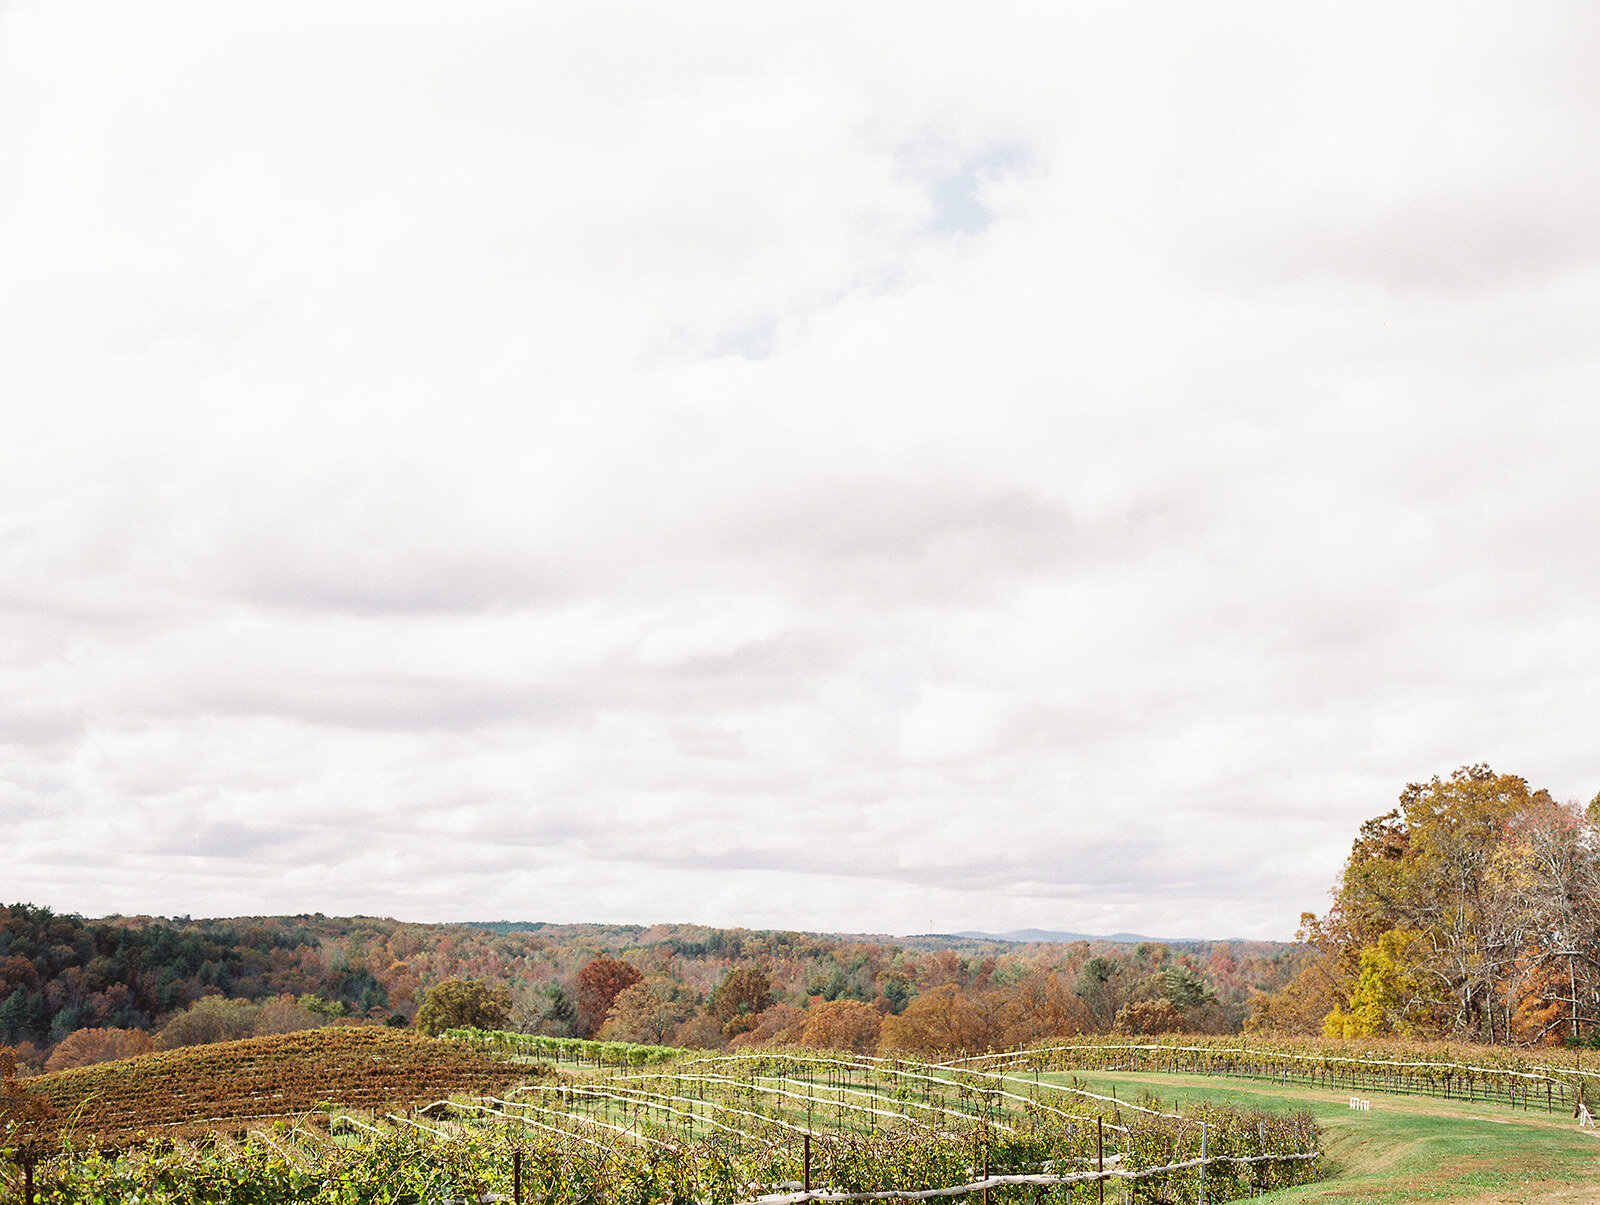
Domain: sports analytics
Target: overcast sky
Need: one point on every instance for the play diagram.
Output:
(862, 467)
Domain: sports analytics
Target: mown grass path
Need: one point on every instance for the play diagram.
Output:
(1407, 1148)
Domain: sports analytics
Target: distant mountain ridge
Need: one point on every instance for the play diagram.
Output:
(1058, 937)
(628, 933)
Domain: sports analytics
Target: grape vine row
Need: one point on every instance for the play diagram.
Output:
(1478, 1074)
(715, 1130)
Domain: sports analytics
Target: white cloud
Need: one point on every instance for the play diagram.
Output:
(856, 469)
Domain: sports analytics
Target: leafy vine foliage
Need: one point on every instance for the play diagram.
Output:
(27, 1129)
(703, 1128)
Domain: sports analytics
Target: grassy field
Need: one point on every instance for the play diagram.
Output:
(1407, 1148)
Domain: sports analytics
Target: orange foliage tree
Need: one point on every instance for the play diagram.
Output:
(842, 1025)
(600, 982)
(780, 1025)
(1042, 1004)
(646, 1013)
(946, 1020)
(82, 1047)
(1148, 1017)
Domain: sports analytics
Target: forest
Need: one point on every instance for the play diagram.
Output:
(74, 990)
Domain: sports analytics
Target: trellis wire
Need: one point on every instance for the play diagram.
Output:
(1040, 1179)
(1372, 1073)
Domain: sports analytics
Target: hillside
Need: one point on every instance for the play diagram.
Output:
(203, 1089)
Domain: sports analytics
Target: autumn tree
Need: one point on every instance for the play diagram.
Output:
(780, 1025)
(648, 1013)
(30, 1058)
(1455, 829)
(1539, 1003)
(1041, 1004)
(1148, 1017)
(209, 1019)
(947, 1020)
(742, 996)
(83, 1047)
(600, 982)
(463, 1002)
(1104, 985)
(842, 1025)
(1301, 1003)
(1549, 889)
(1475, 889)
(1386, 998)
(285, 1014)
(701, 1031)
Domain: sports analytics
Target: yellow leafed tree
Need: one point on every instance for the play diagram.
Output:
(1385, 997)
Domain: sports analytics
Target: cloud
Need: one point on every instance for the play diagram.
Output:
(39, 726)
(1061, 470)
(909, 541)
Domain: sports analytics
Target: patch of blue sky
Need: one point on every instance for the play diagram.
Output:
(955, 195)
(752, 341)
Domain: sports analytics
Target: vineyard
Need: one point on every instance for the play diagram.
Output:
(790, 1126)
(1548, 1080)
(197, 1091)
(559, 1050)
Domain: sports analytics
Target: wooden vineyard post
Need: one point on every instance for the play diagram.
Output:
(516, 1177)
(1205, 1151)
(1258, 1172)
(27, 1181)
(1100, 1158)
(807, 1164)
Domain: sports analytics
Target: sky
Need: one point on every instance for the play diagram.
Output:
(853, 467)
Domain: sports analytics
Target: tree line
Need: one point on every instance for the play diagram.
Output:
(1142, 989)
(1470, 911)
(74, 991)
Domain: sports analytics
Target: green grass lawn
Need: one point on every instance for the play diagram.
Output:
(1406, 1148)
